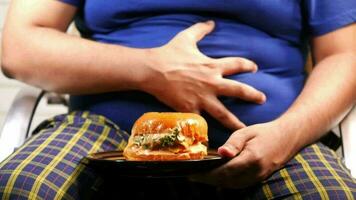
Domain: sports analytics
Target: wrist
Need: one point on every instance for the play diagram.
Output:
(149, 70)
(140, 63)
(303, 127)
(294, 136)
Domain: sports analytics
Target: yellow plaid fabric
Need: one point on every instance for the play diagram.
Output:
(49, 166)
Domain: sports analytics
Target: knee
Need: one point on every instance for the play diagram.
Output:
(21, 180)
(332, 191)
(15, 183)
(345, 191)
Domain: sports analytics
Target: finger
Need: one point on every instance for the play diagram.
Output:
(199, 30)
(234, 144)
(217, 110)
(242, 91)
(234, 65)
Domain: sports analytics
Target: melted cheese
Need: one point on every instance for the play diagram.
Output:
(198, 148)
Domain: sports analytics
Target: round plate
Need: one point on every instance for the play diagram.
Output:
(113, 162)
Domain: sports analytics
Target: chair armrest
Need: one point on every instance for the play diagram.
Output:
(17, 123)
(348, 135)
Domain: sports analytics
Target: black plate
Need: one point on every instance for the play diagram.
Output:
(113, 162)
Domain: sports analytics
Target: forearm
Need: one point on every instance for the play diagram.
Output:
(55, 61)
(329, 93)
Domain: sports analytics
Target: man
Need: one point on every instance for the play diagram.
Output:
(189, 57)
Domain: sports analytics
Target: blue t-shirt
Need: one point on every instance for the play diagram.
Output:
(274, 34)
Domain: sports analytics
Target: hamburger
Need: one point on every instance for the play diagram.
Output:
(167, 136)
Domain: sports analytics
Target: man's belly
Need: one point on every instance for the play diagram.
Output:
(124, 108)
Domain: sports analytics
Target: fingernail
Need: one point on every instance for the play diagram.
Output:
(255, 68)
(263, 98)
(210, 22)
(227, 150)
(229, 147)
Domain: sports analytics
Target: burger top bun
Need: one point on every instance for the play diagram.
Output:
(190, 124)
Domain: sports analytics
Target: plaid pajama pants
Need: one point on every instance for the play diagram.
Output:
(48, 166)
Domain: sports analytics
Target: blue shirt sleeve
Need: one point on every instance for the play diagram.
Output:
(76, 3)
(324, 16)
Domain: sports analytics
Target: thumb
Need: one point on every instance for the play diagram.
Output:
(234, 144)
(199, 30)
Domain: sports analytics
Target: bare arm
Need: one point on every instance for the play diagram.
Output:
(37, 51)
(328, 94)
(330, 91)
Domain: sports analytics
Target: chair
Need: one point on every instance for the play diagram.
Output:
(17, 124)
(18, 121)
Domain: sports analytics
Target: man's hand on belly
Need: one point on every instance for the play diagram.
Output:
(180, 76)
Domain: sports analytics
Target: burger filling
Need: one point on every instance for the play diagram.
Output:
(172, 141)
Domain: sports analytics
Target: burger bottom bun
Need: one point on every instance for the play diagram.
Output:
(163, 156)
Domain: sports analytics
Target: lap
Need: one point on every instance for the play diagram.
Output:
(315, 173)
(48, 166)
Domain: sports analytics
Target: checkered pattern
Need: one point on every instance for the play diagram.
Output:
(49, 166)
(315, 173)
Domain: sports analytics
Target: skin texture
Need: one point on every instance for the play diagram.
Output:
(329, 93)
(55, 61)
